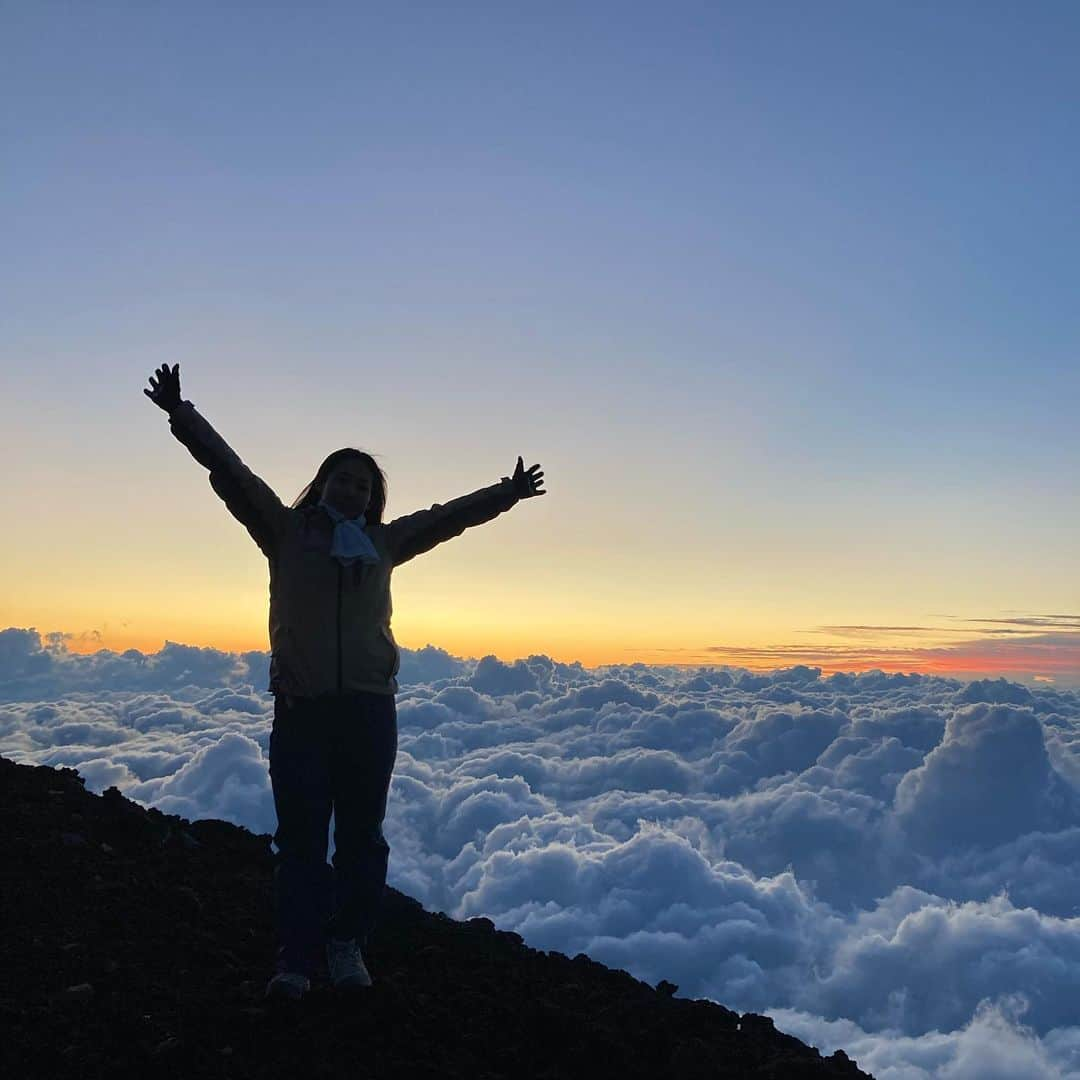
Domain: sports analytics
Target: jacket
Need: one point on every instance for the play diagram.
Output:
(329, 624)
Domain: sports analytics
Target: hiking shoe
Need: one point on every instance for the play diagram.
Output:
(346, 965)
(288, 984)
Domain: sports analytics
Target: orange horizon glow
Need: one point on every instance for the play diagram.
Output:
(966, 659)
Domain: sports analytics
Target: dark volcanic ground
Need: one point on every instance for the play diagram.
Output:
(138, 942)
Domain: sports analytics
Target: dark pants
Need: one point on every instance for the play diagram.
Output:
(334, 753)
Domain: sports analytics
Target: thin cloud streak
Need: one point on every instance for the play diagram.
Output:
(881, 631)
(1026, 647)
(1038, 647)
(1056, 654)
(1071, 622)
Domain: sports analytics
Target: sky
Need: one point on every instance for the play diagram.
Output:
(781, 297)
(884, 863)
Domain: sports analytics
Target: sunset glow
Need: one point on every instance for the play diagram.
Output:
(791, 356)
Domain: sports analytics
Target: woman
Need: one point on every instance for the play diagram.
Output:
(333, 673)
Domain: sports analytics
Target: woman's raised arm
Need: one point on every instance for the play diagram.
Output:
(248, 498)
(414, 534)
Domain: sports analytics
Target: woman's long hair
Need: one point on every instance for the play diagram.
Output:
(313, 492)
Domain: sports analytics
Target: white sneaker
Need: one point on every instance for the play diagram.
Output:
(288, 984)
(346, 965)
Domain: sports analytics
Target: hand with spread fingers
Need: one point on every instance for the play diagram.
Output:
(165, 389)
(528, 483)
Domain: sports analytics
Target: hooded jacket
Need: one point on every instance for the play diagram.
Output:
(329, 624)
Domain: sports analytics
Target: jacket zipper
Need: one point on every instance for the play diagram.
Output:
(339, 628)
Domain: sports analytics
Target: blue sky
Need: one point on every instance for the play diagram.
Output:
(762, 282)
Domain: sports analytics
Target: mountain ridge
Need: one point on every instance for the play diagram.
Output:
(136, 940)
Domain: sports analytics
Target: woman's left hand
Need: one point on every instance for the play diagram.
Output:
(528, 483)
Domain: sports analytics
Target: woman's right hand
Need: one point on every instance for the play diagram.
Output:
(165, 390)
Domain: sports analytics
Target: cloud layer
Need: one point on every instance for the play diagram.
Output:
(887, 863)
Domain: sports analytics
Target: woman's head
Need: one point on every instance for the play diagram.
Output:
(351, 482)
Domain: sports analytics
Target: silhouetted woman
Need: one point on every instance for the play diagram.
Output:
(333, 673)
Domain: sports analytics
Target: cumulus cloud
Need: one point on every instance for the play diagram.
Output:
(989, 781)
(224, 779)
(888, 863)
(32, 666)
(993, 1045)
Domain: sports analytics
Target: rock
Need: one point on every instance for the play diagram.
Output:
(690, 1060)
(79, 992)
(666, 988)
(187, 893)
(753, 1024)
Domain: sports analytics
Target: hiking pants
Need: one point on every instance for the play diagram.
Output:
(331, 753)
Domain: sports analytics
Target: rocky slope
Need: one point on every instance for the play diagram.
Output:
(138, 942)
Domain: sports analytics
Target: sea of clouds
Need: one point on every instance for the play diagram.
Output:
(884, 863)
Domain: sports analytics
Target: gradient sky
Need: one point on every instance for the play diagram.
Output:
(782, 298)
